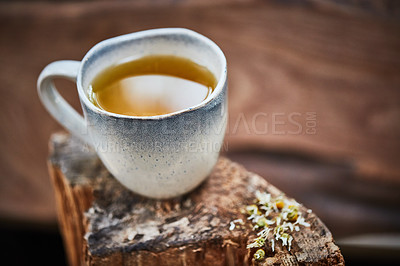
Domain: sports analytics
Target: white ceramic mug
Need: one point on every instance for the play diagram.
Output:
(157, 156)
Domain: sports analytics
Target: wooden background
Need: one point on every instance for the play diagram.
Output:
(341, 62)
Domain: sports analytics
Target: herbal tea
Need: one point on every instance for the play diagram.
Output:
(151, 85)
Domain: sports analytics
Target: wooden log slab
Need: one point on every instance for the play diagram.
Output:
(103, 223)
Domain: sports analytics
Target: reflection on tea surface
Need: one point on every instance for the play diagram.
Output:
(152, 85)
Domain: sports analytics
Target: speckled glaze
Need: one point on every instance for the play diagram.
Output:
(159, 156)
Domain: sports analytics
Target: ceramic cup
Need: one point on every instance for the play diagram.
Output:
(156, 156)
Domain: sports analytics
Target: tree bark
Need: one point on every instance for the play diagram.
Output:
(103, 223)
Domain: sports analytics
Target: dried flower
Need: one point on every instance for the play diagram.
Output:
(259, 255)
(279, 211)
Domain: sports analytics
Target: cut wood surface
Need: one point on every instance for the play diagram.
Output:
(103, 223)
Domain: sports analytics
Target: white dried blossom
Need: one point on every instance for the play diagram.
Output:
(278, 216)
(290, 242)
(264, 232)
(233, 223)
(232, 226)
(301, 221)
(263, 197)
(240, 221)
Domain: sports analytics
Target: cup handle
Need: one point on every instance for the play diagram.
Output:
(55, 103)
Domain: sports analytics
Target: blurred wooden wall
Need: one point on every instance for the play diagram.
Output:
(336, 64)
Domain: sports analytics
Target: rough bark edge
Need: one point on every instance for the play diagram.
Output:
(71, 202)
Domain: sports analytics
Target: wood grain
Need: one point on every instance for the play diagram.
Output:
(284, 60)
(103, 223)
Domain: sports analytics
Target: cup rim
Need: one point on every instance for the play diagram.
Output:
(149, 33)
